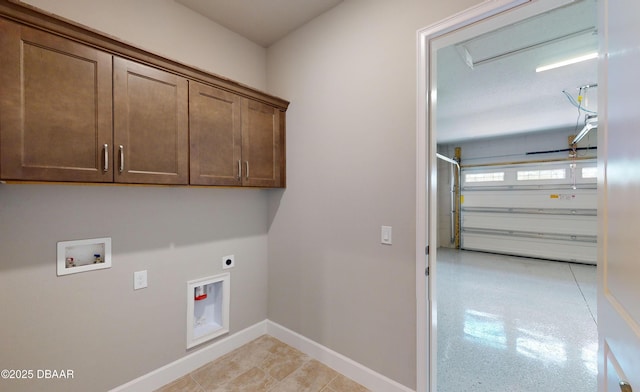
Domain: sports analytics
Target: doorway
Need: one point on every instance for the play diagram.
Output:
(431, 40)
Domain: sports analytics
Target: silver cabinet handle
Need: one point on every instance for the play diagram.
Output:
(239, 169)
(625, 387)
(106, 158)
(246, 174)
(121, 149)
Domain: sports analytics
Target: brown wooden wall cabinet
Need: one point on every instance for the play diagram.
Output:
(261, 144)
(77, 106)
(215, 122)
(55, 113)
(234, 140)
(151, 124)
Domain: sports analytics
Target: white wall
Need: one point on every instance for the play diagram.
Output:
(351, 132)
(93, 322)
(350, 76)
(172, 30)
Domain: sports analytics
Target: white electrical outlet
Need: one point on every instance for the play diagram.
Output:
(228, 262)
(139, 280)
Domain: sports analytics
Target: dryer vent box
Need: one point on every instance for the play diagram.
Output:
(207, 308)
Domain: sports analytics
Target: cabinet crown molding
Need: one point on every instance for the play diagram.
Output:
(29, 15)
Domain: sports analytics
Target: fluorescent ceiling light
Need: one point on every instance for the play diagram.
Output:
(574, 60)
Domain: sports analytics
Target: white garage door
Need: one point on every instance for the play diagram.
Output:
(543, 210)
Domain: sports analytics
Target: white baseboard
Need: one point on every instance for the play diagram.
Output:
(361, 374)
(164, 375)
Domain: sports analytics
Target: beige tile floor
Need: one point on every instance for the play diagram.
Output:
(265, 364)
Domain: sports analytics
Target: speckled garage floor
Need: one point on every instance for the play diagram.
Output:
(515, 324)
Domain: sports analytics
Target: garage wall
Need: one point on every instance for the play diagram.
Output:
(519, 147)
(444, 200)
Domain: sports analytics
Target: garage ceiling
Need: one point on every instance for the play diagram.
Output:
(502, 94)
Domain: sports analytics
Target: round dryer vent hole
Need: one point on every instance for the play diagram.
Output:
(228, 262)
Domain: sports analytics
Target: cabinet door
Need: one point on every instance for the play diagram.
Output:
(55, 108)
(150, 125)
(261, 145)
(215, 136)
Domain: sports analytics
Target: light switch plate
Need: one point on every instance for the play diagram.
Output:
(386, 235)
(139, 280)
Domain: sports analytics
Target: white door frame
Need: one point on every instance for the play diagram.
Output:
(426, 171)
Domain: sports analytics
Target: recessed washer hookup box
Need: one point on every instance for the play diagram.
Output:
(83, 255)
